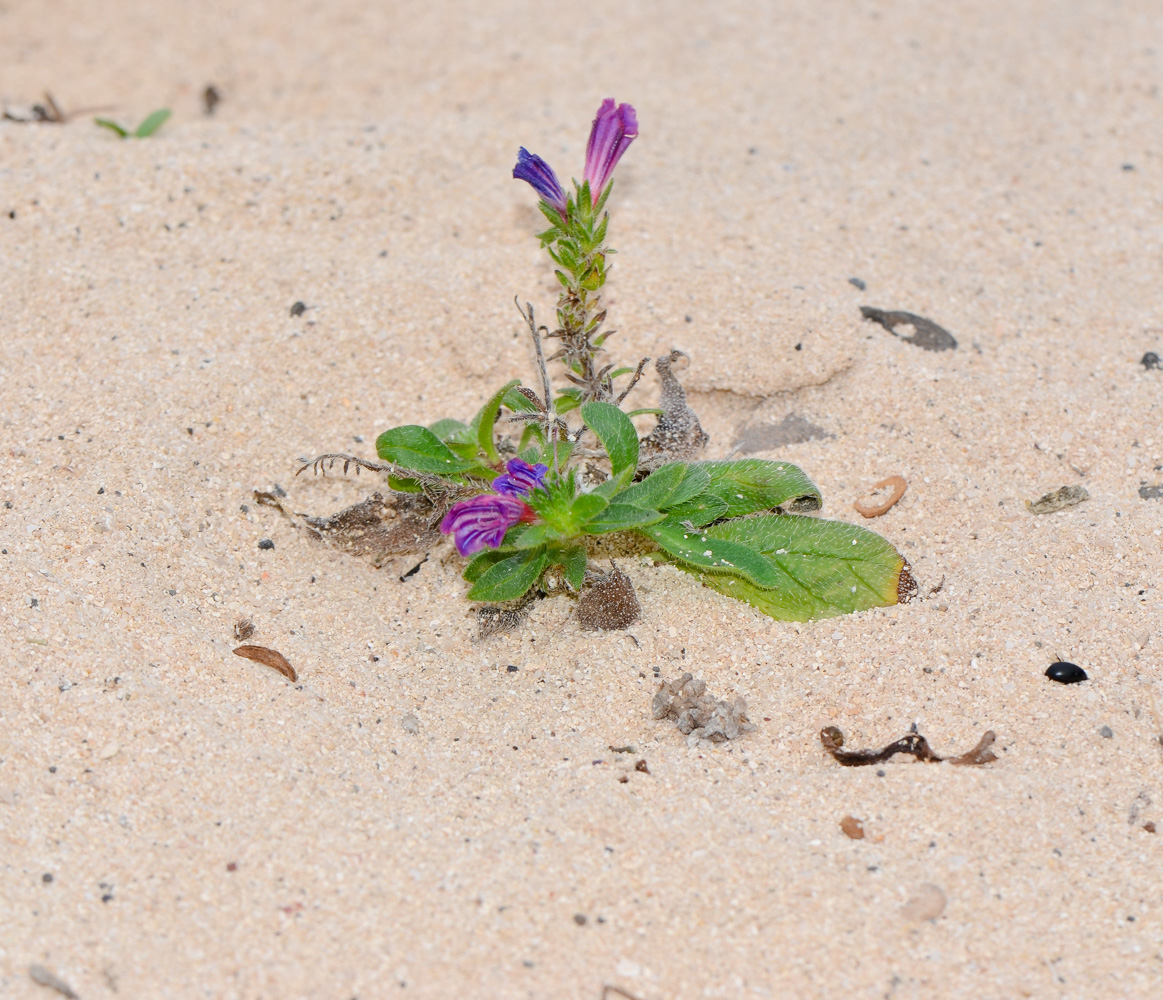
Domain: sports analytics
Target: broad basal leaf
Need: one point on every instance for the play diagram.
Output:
(713, 556)
(483, 423)
(752, 484)
(823, 568)
(417, 449)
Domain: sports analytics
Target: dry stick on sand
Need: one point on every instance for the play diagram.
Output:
(914, 744)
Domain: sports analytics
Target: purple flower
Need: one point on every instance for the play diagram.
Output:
(520, 478)
(538, 173)
(613, 130)
(481, 521)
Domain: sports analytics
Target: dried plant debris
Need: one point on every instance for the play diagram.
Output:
(882, 496)
(243, 629)
(42, 977)
(678, 434)
(698, 715)
(1151, 492)
(1067, 496)
(268, 657)
(494, 619)
(609, 602)
(906, 585)
(378, 527)
(852, 827)
(926, 333)
(914, 745)
(1151, 361)
(792, 429)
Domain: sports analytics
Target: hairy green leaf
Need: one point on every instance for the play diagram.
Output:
(824, 568)
(486, 418)
(617, 435)
(417, 449)
(752, 484)
(622, 517)
(509, 578)
(714, 556)
(656, 489)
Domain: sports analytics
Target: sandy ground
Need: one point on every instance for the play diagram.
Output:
(178, 822)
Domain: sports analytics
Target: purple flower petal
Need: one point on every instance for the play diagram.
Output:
(481, 521)
(537, 172)
(520, 478)
(613, 130)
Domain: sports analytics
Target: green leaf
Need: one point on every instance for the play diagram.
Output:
(417, 449)
(753, 484)
(703, 509)
(403, 484)
(617, 435)
(481, 562)
(448, 428)
(518, 402)
(621, 517)
(152, 123)
(656, 489)
(824, 568)
(714, 556)
(587, 506)
(573, 560)
(537, 534)
(509, 578)
(112, 126)
(567, 399)
(483, 423)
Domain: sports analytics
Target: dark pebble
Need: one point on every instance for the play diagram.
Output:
(266, 543)
(512, 668)
(1151, 360)
(858, 283)
(1106, 733)
(298, 308)
(46, 877)
(579, 919)
(1065, 673)
(880, 774)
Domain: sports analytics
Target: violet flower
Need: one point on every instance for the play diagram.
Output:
(540, 175)
(613, 130)
(481, 521)
(520, 477)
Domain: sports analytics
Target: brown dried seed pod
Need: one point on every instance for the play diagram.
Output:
(876, 509)
(243, 629)
(268, 657)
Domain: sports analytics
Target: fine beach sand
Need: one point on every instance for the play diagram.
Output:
(212, 830)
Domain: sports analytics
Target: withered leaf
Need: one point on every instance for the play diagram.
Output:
(926, 333)
(268, 657)
(914, 745)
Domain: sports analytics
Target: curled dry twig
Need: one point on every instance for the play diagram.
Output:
(914, 744)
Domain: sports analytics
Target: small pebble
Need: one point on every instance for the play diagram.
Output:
(857, 283)
(1151, 360)
(1149, 826)
(108, 750)
(410, 723)
(579, 919)
(46, 878)
(1106, 733)
(1065, 673)
(266, 543)
(928, 903)
(298, 308)
(512, 668)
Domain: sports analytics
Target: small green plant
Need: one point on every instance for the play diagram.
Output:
(151, 124)
(532, 512)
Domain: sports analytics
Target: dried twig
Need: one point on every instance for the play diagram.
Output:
(914, 744)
